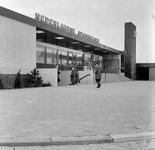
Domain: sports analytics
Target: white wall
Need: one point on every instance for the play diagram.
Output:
(49, 75)
(151, 73)
(17, 46)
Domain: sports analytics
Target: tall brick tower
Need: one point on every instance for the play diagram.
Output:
(130, 51)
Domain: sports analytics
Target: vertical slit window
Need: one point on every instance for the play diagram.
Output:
(74, 59)
(70, 57)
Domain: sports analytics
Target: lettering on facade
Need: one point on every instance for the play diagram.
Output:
(147, 65)
(104, 47)
(87, 36)
(63, 27)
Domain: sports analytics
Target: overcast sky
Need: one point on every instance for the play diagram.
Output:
(103, 19)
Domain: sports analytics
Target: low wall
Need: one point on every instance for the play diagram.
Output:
(8, 80)
(8, 76)
(48, 75)
(112, 77)
(65, 77)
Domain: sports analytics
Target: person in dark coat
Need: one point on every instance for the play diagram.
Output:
(77, 76)
(98, 74)
(58, 76)
(58, 73)
(73, 76)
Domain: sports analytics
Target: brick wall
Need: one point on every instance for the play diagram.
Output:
(111, 65)
(8, 80)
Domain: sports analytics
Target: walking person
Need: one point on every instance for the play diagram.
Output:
(73, 76)
(98, 74)
(77, 76)
(58, 73)
(58, 76)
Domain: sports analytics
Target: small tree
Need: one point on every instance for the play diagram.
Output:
(33, 79)
(18, 83)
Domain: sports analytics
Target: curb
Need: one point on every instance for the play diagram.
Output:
(56, 141)
(133, 137)
(85, 140)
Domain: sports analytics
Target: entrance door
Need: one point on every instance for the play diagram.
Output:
(143, 74)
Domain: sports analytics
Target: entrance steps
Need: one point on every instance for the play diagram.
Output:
(112, 77)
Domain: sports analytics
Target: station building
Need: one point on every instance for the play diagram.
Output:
(45, 44)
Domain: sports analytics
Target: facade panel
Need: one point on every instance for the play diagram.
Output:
(152, 74)
(18, 44)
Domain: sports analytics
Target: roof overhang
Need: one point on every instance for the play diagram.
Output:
(50, 34)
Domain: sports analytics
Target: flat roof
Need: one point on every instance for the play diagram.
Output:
(53, 31)
(145, 65)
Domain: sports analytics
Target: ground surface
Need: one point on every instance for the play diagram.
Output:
(80, 110)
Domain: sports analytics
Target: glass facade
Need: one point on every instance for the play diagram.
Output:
(62, 56)
(74, 59)
(88, 61)
(79, 59)
(98, 58)
(70, 58)
(50, 57)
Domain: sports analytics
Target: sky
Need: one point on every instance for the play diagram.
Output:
(102, 19)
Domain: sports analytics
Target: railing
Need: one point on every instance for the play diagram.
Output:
(84, 77)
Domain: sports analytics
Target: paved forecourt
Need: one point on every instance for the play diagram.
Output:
(116, 112)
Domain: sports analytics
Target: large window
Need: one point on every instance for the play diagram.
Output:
(40, 54)
(87, 59)
(62, 58)
(79, 59)
(51, 56)
(98, 58)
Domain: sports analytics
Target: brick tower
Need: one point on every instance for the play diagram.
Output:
(130, 51)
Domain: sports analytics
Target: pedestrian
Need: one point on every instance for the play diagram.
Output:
(77, 76)
(98, 74)
(58, 73)
(73, 76)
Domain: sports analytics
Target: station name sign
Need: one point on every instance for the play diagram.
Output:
(63, 27)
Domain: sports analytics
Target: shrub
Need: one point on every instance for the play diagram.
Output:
(46, 84)
(33, 79)
(1, 84)
(18, 83)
